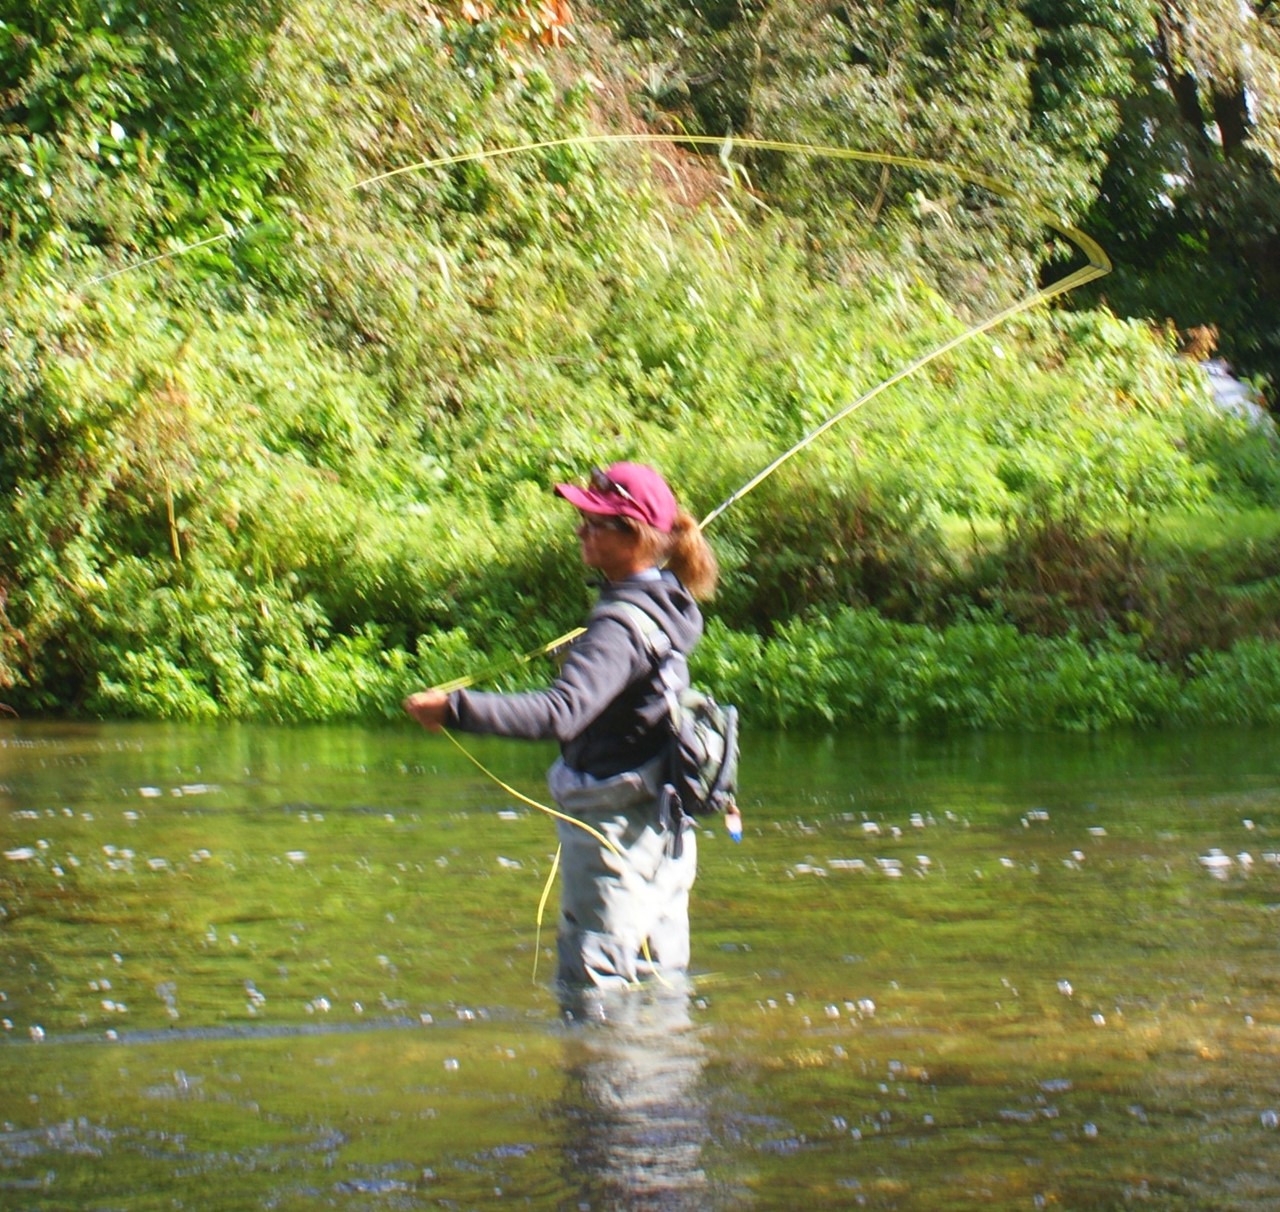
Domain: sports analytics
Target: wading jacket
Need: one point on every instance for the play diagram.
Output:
(607, 707)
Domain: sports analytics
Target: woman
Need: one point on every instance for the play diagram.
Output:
(608, 710)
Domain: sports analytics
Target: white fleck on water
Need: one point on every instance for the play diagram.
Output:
(1216, 863)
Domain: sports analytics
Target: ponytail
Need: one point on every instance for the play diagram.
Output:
(691, 558)
(682, 549)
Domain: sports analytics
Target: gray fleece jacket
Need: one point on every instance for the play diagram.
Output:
(606, 708)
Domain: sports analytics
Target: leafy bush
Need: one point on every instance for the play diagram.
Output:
(296, 472)
(857, 669)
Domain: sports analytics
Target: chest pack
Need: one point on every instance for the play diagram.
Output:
(704, 734)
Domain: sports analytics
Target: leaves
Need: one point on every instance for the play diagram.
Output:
(301, 459)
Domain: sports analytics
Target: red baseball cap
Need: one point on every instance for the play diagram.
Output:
(628, 490)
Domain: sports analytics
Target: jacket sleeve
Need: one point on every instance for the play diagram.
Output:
(600, 665)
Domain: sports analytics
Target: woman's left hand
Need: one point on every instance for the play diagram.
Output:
(429, 707)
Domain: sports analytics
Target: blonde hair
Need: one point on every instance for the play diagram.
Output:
(683, 550)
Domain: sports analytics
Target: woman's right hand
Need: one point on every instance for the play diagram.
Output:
(429, 707)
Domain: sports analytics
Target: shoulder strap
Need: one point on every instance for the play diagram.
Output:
(655, 638)
(659, 645)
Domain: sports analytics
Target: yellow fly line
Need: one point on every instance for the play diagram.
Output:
(1097, 264)
(555, 862)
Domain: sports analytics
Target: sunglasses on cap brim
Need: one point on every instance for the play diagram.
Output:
(601, 482)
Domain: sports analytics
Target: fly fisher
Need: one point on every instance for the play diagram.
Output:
(624, 910)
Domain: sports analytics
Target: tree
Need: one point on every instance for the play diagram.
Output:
(124, 120)
(1025, 91)
(1190, 202)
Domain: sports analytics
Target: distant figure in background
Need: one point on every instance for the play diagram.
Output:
(608, 710)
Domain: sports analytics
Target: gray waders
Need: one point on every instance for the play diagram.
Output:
(613, 902)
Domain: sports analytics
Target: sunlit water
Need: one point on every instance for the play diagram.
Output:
(255, 968)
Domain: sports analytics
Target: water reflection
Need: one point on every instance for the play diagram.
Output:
(633, 1118)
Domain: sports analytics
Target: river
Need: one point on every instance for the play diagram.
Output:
(244, 967)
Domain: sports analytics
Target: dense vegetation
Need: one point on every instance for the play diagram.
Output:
(276, 429)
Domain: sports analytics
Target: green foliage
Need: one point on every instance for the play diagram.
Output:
(857, 669)
(1190, 200)
(1028, 93)
(123, 124)
(1240, 686)
(300, 471)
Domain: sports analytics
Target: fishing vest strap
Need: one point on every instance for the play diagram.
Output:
(665, 656)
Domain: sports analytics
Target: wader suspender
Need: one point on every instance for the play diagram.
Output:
(670, 816)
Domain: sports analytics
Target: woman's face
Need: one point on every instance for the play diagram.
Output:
(608, 544)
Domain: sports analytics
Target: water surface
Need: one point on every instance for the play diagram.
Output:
(244, 967)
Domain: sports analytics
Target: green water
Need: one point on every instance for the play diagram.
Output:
(255, 968)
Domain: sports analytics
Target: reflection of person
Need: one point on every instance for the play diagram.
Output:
(634, 1113)
(608, 711)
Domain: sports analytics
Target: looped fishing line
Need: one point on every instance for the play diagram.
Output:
(1098, 264)
(555, 862)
